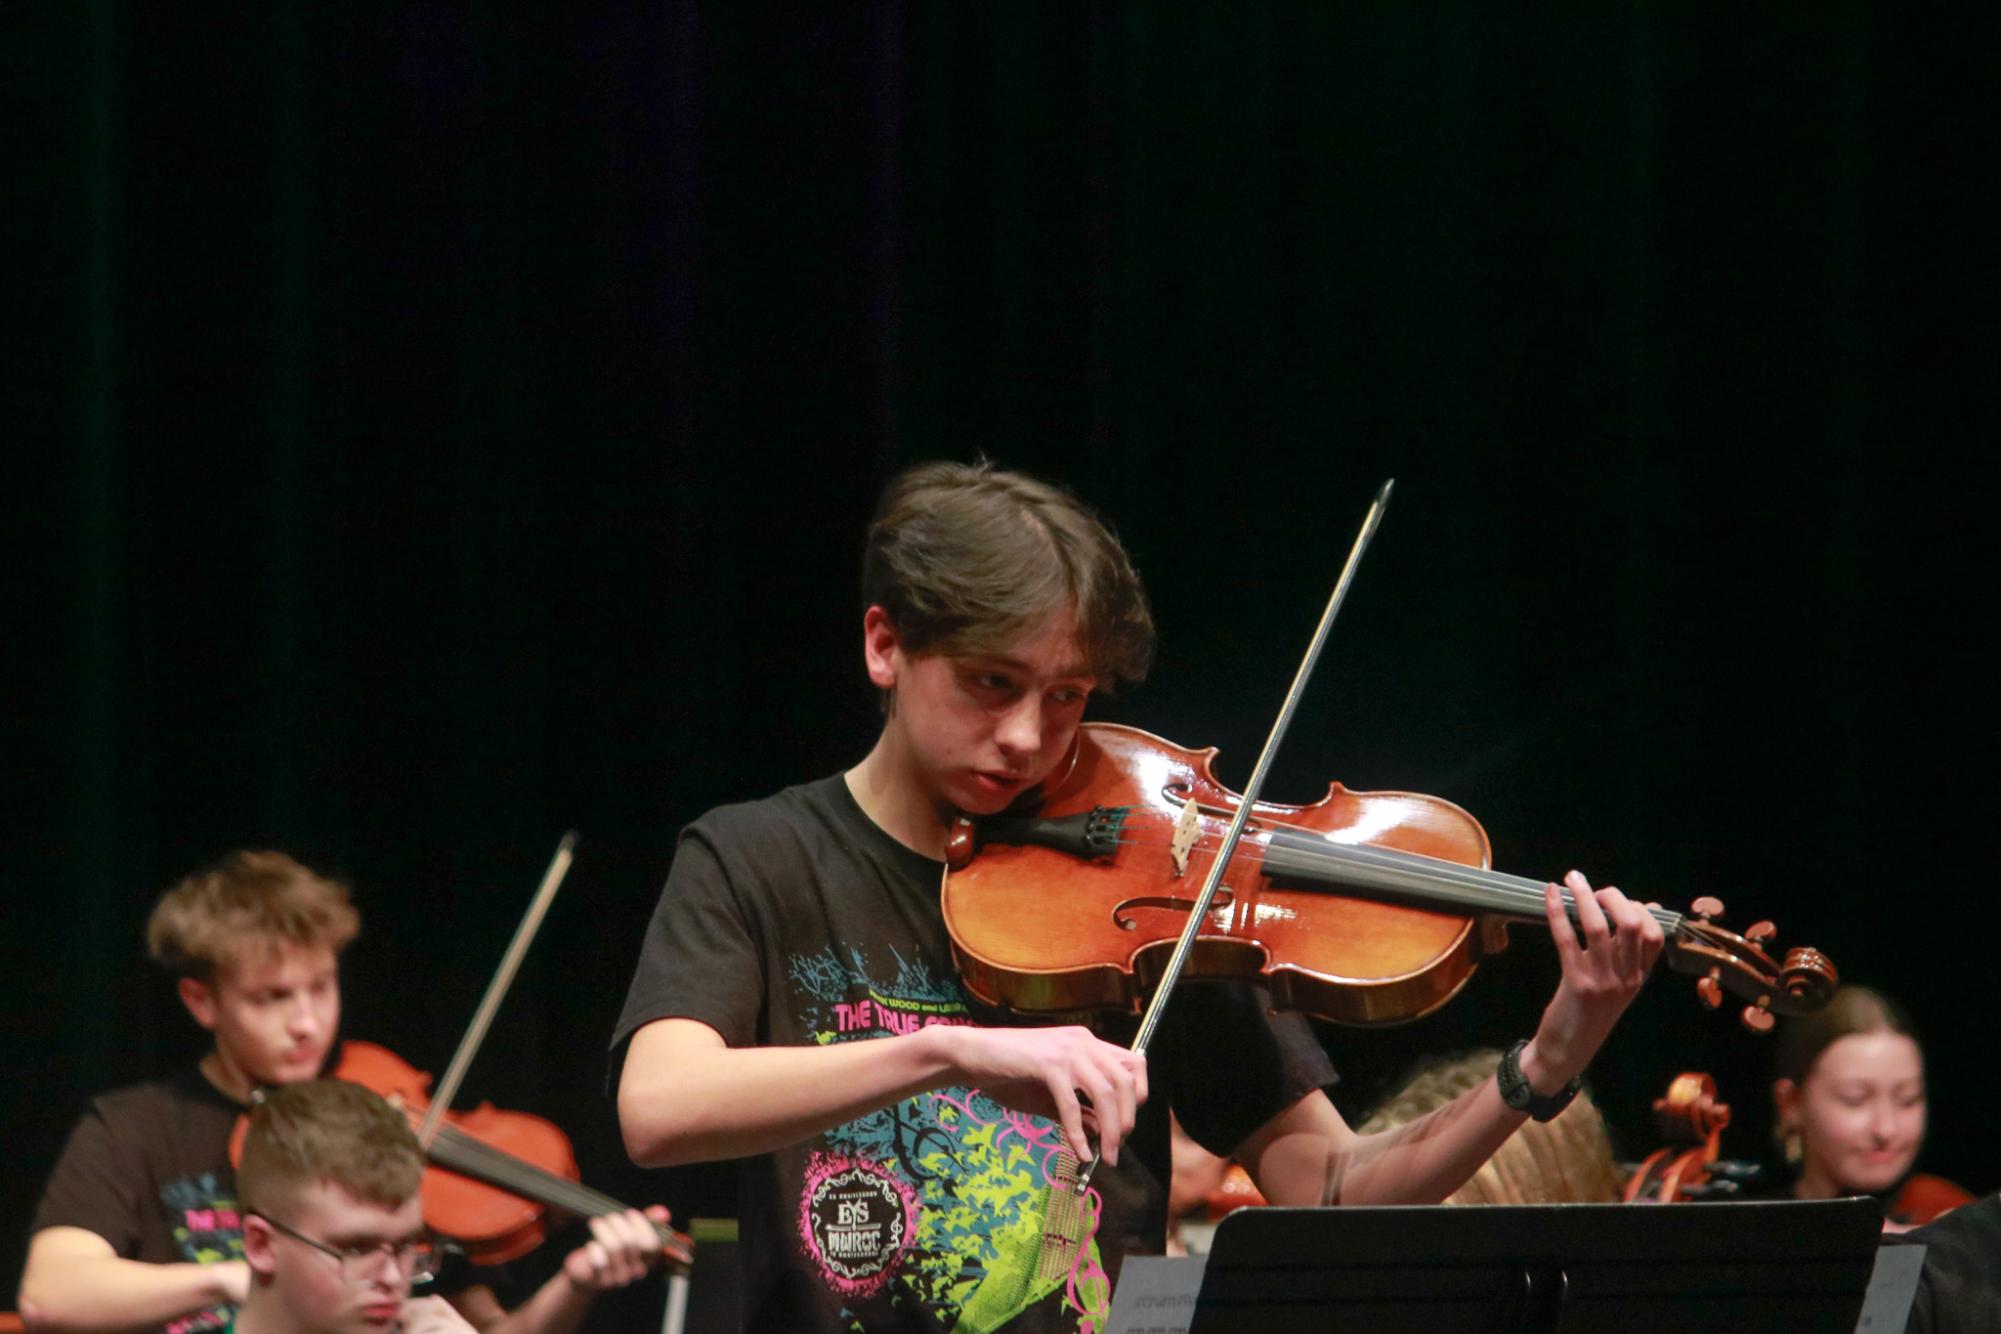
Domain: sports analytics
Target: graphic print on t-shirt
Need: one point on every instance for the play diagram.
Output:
(208, 1229)
(940, 1199)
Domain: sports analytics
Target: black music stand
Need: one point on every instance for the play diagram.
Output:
(1798, 1267)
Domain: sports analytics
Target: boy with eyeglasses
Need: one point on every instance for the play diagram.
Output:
(140, 1225)
(333, 1229)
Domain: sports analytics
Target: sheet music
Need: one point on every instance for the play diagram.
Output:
(1893, 1286)
(1156, 1294)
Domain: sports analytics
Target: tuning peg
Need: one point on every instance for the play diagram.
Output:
(1760, 932)
(1710, 988)
(1707, 908)
(1757, 1018)
(1737, 1170)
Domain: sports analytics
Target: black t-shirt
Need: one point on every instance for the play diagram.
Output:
(797, 921)
(147, 1169)
(1960, 1291)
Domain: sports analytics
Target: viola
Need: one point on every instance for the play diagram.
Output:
(1362, 908)
(1924, 1197)
(495, 1175)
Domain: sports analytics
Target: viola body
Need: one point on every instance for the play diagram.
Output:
(1043, 929)
(1362, 908)
(493, 1225)
(495, 1177)
(1924, 1197)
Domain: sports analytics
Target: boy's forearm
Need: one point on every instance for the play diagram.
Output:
(1427, 1159)
(682, 1105)
(1308, 1155)
(88, 1292)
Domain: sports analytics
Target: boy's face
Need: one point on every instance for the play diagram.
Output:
(309, 1284)
(983, 728)
(274, 1016)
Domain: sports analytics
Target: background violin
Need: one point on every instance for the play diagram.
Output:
(1363, 908)
(495, 1174)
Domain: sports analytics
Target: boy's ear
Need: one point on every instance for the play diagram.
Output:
(199, 997)
(881, 648)
(257, 1246)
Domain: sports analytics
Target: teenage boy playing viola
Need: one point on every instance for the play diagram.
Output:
(796, 1006)
(139, 1225)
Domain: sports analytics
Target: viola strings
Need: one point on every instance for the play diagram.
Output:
(1505, 893)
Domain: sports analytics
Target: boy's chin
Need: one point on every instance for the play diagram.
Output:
(292, 1072)
(980, 796)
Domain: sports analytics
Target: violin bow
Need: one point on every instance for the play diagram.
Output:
(475, 1034)
(1199, 914)
(496, 990)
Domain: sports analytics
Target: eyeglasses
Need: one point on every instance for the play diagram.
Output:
(416, 1260)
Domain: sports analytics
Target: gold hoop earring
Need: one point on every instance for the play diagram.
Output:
(1793, 1147)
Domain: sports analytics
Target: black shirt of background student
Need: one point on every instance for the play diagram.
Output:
(147, 1169)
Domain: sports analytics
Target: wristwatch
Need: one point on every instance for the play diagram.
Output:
(1515, 1090)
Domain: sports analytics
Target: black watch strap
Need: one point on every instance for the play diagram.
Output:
(1516, 1092)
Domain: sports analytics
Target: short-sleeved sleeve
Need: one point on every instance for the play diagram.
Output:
(701, 958)
(1960, 1289)
(93, 1189)
(1229, 1065)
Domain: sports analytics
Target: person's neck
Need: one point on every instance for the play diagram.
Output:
(885, 786)
(227, 1077)
(1814, 1184)
(262, 1313)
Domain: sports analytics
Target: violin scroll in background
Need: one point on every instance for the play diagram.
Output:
(1363, 908)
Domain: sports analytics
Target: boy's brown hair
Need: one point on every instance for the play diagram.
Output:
(966, 557)
(243, 906)
(327, 1130)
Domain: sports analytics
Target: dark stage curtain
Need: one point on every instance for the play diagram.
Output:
(442, 425)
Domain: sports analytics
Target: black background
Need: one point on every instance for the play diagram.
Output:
(447, 425)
